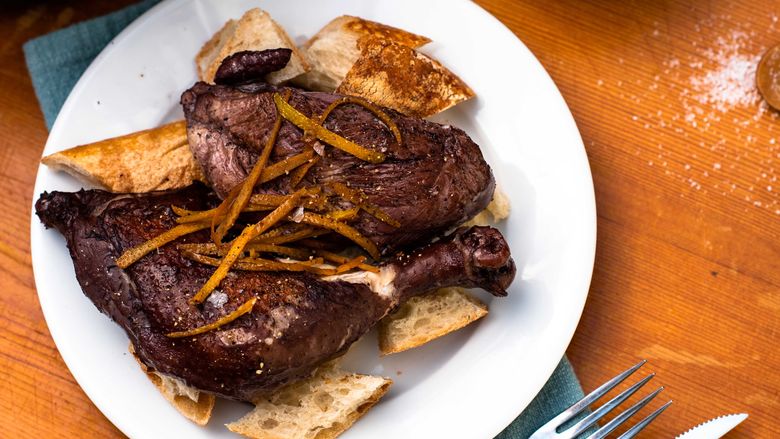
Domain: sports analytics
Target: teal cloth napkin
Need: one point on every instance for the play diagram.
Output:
(56, 62)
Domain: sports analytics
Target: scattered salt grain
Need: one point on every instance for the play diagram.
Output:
(297, 215)
(732, 82)
(218, 299)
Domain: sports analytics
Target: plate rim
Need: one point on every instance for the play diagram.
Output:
(590, 245)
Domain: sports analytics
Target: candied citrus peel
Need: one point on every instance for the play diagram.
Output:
(312, 127)
(238, 244)
(342, 260)
(261, 264)
(210, 248)
(286, 166)
(342, 229)
(360, 200)
(381, 115)
(240, 311)
(248, 185)
(134, 254)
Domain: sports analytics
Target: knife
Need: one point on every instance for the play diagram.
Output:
(714, 428)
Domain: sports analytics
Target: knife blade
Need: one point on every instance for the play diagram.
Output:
(714, 428)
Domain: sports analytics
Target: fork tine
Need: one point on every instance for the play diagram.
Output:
(599, 413)
(633, 431)
(594, 395)
(623, 417)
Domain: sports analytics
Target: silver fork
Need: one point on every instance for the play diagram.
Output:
(550, 429)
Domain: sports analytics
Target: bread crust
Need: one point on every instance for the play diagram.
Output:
(144, 161)
(320, 407)
(197, 411)
(425, 318)
(398, 77)
(334, 49)
(255, 30)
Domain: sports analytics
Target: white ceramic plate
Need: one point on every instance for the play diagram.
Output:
(467, 385)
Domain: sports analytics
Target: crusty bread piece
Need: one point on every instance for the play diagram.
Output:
(255, 30)
(149, 160)
(398, 77)
(190, 402)
(424, 318)
(497, 210)
(321, 407)
(207, 56)
(428, 317)
(334, 49)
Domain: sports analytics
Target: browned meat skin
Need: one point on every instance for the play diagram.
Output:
(473, 258)
(299, 320)
(251, 65)
(435, 180)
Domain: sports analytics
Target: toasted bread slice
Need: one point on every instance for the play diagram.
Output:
(149, 160)
(255, 30)
(497, 210)
(424, 318)
(190, 402)
(207, 56)
(428, 317)
(321, 407)
(334, 49)
(398, 77)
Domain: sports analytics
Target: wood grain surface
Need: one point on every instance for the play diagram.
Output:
(684, 164)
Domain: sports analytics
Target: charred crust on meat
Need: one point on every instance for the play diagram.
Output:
(299, 320)
(437, 178)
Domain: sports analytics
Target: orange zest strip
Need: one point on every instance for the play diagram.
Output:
(295, 235)
(203, 215)
(332, 257)
(238, 244)
(317, 203)
(368, 267)
(255, 264)
(280, 231)
(351, 264)
(180, 211)
(242, 199)
(299, 173)
(267, 199)
(240, 311)
(381, 115)
(221, 211)
(311, 126)
(342, 229)
(344, 215)
(206, 248)
(360, 199)
(134, 254)
(259, 264)
(257, 203)
(280, 250)
(341, 260)
(210, 248)
(284, 262)
(285, 166)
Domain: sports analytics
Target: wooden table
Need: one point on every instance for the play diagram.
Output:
(688, 261)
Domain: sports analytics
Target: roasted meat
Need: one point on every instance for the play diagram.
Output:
(251, 65)
(435, 179)
(299, 320)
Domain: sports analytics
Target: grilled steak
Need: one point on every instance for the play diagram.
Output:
(434, 180)
(299, 320)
